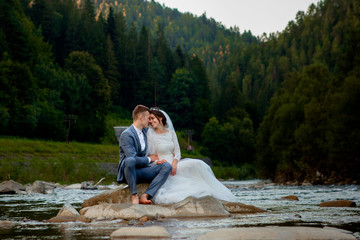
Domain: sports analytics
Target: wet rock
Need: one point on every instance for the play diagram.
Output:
(4, 223)
(188, 208)
(69, 214)
(290, 197)
(338, 203)
(61, 219)
(141, 232)
(143, 219)
(88, 186)
(68, 210)
(11, 187)
(82, 219)
(74, 186)
(233, 207)
(118, 195)
(280, 233)
(41, 187)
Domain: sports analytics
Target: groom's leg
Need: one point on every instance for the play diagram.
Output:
(130, 174)
(156, 175)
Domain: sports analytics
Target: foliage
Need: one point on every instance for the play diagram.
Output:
(288, 99)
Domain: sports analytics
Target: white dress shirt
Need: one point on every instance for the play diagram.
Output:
(142, 139)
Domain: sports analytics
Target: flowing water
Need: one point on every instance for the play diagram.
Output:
(28, 213)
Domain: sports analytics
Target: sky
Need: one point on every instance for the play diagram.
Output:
(258, 16)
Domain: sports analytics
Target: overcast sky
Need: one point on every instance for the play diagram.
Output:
(259, 16)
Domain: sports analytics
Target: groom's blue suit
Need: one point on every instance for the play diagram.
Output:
(134, 166)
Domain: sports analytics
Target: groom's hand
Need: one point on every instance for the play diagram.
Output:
(161, 161)
(153, 157)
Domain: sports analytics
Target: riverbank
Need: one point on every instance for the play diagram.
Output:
(28, 160)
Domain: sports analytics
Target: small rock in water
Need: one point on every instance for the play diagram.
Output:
(4, 223)
(68, 210)
(338, 203)
(291, 197)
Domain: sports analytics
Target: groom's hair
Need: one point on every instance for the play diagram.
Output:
(139, 109)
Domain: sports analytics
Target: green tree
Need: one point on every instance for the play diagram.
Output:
(92, 122)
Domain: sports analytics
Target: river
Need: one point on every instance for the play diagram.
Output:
(29, 213)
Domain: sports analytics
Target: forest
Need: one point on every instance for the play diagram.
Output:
(286, 103)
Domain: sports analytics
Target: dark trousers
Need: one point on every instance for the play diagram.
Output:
(156, 175)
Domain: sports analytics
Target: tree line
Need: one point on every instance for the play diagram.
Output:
(58, 59)
(304, 84)
(285, 102)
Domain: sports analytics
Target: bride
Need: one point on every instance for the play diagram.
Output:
(189, 177)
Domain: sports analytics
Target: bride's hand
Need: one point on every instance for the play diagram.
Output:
(174, 167)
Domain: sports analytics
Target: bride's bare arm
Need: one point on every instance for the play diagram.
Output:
(174, 167)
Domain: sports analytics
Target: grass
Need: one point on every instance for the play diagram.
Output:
(27, 160)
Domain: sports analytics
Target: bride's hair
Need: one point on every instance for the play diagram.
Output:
(158, 114)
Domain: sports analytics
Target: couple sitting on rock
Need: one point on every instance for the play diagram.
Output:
(152, 155)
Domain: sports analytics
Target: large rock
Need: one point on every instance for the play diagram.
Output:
(41, 187)
(280, 233)
(11, 187)
(188, 208)
(118, 195)
(141, 232)
(338, 203)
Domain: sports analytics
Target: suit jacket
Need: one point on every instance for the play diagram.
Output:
(130, 147)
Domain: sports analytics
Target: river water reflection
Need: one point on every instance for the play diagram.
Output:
(28, 213)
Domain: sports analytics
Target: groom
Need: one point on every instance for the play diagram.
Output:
(134, 167)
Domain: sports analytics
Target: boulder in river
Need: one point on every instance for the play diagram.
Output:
(68, 210)
(11, 187)
(118, 195)
(141, 232)
(41, 187)
(187, 208)
(338, 203)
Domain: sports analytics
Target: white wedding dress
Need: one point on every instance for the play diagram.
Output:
(193, 177)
